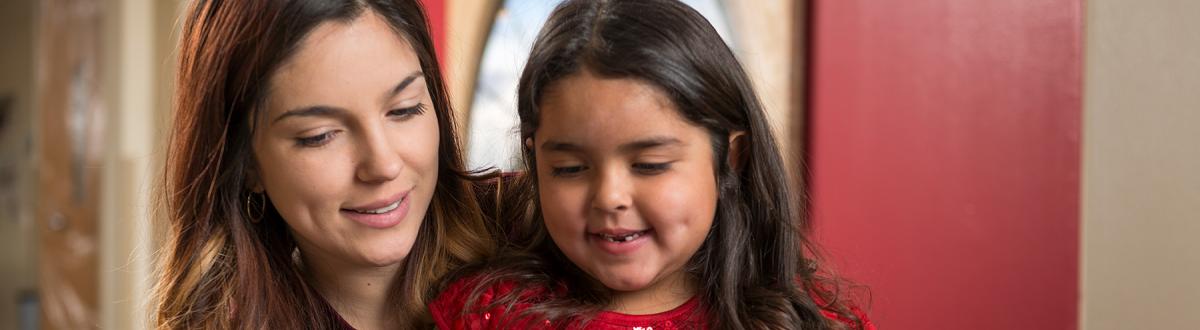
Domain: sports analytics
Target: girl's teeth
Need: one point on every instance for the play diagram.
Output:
(385, 209)
(622, 238)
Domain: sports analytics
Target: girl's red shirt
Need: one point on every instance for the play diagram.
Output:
(448, 307)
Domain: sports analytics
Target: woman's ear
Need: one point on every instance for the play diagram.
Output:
(739, 150)
(253, 180)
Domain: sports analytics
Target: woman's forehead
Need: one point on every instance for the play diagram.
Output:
(363, 58)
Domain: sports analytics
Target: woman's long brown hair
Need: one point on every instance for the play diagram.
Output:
(220, 270)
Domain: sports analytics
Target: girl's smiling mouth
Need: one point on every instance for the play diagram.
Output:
(619, 241)
(623, 237)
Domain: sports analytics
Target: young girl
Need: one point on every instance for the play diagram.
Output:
(661, 198)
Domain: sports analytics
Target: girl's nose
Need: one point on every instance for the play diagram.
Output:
(610, 192)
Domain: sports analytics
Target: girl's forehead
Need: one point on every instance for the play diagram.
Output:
(605, 113)
(584, 95)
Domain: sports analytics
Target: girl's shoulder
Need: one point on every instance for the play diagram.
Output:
(468, 303)
(475, 302)
(448, 309)
(858, 313)
(690, 315)
(851, 312)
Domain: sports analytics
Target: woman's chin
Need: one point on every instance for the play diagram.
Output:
(384, 255)
(383, 260)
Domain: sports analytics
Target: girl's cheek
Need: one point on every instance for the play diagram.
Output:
(561, 201)
(680, 197)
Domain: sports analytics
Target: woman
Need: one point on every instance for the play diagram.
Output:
(313, 178)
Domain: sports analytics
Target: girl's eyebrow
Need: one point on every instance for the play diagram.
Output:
(628, 147)
(648, 143)
(559, 146)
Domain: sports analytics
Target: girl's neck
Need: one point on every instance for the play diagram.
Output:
(661, 296)
(360, 294)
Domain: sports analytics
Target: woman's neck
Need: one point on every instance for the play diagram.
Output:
(360, 294)
(661, 296)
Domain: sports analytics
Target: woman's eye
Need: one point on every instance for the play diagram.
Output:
(565, 171)
(651, 168)
(315, 140)
(407, 112)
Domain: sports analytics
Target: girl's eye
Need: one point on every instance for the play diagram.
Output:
(651, 168)
(404, 113)
(566, 171)
(315, 140)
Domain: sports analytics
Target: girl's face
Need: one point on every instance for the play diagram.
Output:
(347, 151)
(626, 185)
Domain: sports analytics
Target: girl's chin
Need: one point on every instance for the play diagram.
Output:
(626, 284)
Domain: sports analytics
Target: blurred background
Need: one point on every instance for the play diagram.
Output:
(1022, 164)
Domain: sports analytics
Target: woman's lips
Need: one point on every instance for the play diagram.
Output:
(380, 203)
(380, 215)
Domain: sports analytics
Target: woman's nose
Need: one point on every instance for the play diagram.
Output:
(380, 160)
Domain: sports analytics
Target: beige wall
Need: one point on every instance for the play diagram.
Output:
(141, 37)
(1141, 166)
(467, 26)
(764, 37)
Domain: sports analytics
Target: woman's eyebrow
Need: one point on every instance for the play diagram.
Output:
(403, 84)
(312, 111)
(332, 111)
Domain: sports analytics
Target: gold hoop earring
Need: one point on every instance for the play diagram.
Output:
(262, 209)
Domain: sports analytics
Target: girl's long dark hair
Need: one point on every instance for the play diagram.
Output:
(220, 270)
(757, 269)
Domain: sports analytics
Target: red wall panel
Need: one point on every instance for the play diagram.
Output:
(436, 10)
(944, 151)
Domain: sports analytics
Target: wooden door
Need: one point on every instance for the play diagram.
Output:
(70, 145)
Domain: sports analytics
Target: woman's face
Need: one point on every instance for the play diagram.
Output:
(347, 151)
(626, 185)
